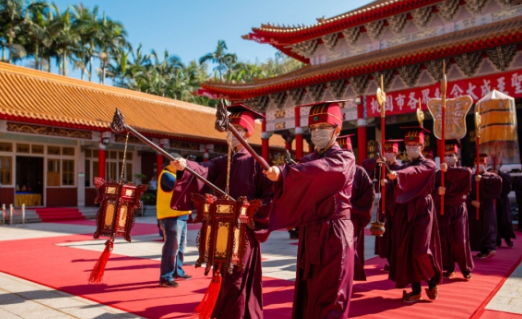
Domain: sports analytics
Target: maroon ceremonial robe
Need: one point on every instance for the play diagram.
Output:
(416, 245)
(363, 195)
(316, 196)
(383, 244)
(453, 225)
(483, 232)
(240, 296)
(505, 224)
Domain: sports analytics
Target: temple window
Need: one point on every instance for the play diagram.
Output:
(6, 170)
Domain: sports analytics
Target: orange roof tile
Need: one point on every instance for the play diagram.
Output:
(28, 95)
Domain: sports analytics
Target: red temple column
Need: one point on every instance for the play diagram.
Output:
(205, 154)
(298, 134)
(265, 147)
(361, 132)
(102, 157)
(159, 162)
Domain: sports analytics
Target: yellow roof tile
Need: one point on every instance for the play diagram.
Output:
(32, 94)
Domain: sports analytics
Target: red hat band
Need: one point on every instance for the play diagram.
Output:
(391, 147)
(326, 113)
(243, 119)
(451, 148)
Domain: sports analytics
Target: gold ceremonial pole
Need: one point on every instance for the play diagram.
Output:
(477, 140)
(381, 98)
(444, 84)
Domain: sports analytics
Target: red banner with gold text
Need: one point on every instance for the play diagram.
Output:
(407, 101)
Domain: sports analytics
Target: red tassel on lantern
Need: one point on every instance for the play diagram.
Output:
(96, 276)
(208, 303)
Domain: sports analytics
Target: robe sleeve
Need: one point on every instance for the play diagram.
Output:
(490, 186)
(363, 197)
(188, 184)
(304, 190)
(411, 180)
(261, 218)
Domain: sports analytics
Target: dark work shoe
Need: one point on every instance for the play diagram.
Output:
(467, 275)
(481, 256)
(491, 253)
(509, 243)
(169, 284)
(186, 277)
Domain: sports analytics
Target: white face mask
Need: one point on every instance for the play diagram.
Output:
(321, 137)
(235, 141)
(450, 160)
(481, 167)
(390, 157)
(413, 152)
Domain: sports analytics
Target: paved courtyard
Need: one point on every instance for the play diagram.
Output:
(23, 296)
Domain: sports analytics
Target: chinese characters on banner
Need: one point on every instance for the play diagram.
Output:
(401, 102)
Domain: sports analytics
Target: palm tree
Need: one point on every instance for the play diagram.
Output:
(120, 68)
(66, 37)
(11, 17)
(89, 31)
(220, 57)
(137, 68)
(37, 29)
(113, 36)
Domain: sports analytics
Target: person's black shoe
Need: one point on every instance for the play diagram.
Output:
(509, 243)
(169, 284)
(293, 234)
(186, 277)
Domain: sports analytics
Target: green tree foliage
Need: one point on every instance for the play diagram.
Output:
(37, 33)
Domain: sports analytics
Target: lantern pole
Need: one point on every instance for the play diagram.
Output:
(381, 98)
(444, 84)
(477, 160)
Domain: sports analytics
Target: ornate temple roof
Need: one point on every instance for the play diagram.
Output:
(282, 36)
(444, 46)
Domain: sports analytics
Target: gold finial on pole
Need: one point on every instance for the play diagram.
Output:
(420, 114)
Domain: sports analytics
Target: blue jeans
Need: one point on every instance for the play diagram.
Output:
(175, 241)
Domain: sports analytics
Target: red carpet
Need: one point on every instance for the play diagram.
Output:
(51, 215)
(131, 283)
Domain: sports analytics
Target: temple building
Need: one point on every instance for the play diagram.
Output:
(405, 41)
(55, 136)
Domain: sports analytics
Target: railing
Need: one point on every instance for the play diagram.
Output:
(12, 211)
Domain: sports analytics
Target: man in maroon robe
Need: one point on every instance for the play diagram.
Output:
(416, 245)
(316, 196)
(363, 196)
(241, 292)
(517, 187)
(453, 225)
(483, 232)
(504, 222)
(383, 244)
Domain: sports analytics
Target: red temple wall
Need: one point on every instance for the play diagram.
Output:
(62, 197)
(7, 195)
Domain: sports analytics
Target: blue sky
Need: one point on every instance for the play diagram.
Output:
(191, 28)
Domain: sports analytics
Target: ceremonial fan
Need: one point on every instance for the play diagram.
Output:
(449, 117)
